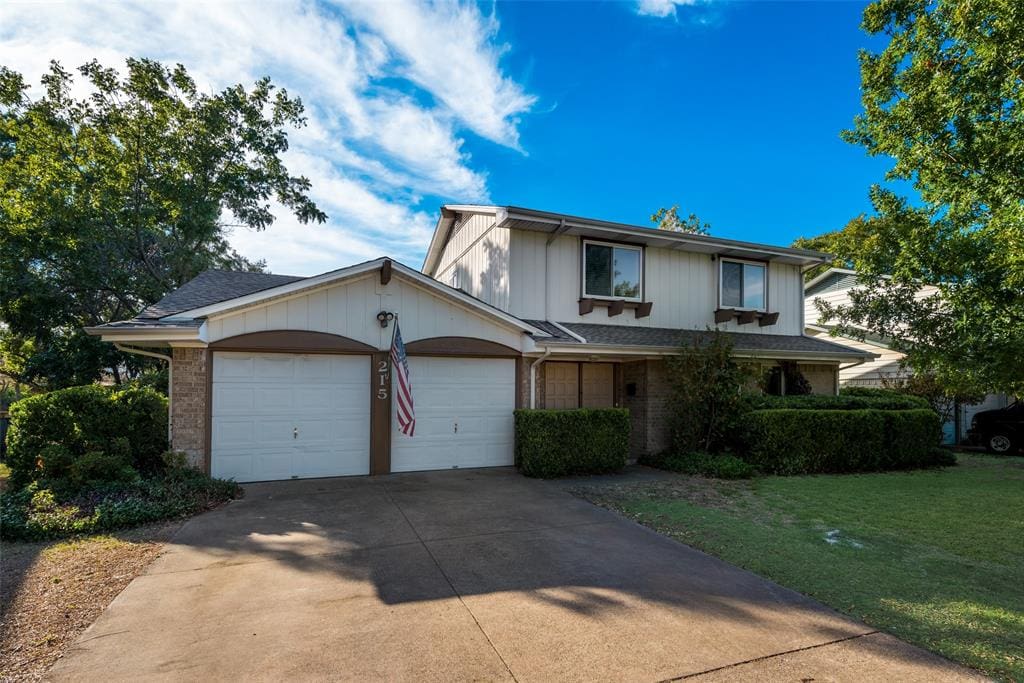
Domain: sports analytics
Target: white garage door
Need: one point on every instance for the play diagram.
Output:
(463, 415)
(288, 416)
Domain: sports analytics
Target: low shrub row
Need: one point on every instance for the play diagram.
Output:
(720, 466)
(856, 401)
(811, 441)
(36, 513)
(51, 432)
(555, 443)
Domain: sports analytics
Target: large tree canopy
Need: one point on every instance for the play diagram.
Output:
(110, 200)
(944, 99)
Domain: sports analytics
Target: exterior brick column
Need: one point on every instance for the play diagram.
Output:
(188, 404)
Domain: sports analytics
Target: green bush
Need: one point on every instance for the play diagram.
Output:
(856, 401)
(83, 419)
(555, 443)
(34, 513)
(808, 441)
(97, 466)
(722, 466)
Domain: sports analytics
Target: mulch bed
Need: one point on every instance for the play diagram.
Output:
(53, 591)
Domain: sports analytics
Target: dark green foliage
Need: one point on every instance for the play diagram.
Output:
(118, 188)
(808, 441)
(96, 466)
(856, 401)
(33, 513)
(722, 466)
(130, 423)
(555, 443)
(707, 394)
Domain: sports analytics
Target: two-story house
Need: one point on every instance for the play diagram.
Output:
(276, 377)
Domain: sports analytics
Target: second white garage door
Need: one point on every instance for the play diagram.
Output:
(463, 415)
(289, 416)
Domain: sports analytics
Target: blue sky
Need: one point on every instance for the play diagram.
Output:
(609, 110)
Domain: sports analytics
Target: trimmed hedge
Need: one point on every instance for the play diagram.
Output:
(555, 443)
(49, 432)
(721, 466)
(801, 441)
(845, 401)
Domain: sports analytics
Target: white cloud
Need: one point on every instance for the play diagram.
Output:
(389, 89)
(661, 8)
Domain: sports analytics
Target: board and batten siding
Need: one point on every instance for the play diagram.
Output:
(477, 255)
(545, 284)
(350, 309)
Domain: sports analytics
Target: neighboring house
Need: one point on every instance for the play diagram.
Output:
(834, 286)
(278, 377)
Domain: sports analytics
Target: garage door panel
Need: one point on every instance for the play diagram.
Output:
(260, 399)
(478, 395)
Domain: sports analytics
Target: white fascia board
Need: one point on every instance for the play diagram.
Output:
(613, 230)
(160, 335)
(301, 287)
(605, 350)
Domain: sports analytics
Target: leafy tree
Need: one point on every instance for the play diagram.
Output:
(708, 387)
(944, 100)
(668, 219)
(110, 200)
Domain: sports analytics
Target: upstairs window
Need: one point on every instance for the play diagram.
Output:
(612, 271)
(743, 285)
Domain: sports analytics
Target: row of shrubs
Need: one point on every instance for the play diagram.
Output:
(92, 459)
(860, 431)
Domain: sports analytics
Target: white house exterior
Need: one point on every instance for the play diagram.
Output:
(277, 377)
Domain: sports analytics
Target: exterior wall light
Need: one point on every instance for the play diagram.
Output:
(384, 317)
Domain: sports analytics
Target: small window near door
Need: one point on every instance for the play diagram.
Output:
(612, 271)
(743, 285)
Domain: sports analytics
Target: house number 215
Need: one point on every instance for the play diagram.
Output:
(382, 380)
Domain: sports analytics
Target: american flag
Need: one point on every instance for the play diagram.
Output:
(406, 412)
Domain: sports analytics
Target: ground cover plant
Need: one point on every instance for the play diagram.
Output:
(89, 459)
(932, 556)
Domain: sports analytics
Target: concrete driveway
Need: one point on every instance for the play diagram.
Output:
(461, 575)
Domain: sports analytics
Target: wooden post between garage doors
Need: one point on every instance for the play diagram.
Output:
(380, 413)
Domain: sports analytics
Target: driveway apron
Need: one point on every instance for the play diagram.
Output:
(462, 575)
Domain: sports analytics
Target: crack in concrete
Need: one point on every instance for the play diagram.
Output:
(771, 656)
(451, 585)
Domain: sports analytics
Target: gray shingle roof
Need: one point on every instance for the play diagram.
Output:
(625, 335)
(212, 287)
(551, 329)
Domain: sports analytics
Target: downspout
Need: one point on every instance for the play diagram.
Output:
(170, 376)
(533, 377)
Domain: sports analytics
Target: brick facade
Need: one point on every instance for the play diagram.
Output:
(188, 404)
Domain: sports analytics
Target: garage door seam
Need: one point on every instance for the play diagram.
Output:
(451, 585)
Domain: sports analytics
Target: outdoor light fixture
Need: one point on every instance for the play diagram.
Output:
(384, 317)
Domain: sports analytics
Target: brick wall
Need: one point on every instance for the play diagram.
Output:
(659, 413)
(188, 404)
(822, 377)
(635, 373)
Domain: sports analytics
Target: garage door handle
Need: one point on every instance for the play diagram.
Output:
(456, 427)
(295, 432)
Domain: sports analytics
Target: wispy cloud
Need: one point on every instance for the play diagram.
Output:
(661, 8)
(390, 89)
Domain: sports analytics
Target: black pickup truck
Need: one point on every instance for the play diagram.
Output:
(1000, 431)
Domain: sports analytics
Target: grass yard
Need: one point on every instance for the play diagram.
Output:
(935, 557)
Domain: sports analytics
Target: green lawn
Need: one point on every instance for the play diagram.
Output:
(935, 557)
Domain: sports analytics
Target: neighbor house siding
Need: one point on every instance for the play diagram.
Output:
(683, 286)
(188, 405)
(476, 260)
(350, 310)
(871, 373)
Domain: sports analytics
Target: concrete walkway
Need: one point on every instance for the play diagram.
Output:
(462, 575)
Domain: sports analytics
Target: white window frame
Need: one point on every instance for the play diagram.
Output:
(613, 245)
(751, 262)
